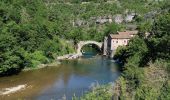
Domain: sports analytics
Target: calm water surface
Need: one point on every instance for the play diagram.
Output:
(69, 78)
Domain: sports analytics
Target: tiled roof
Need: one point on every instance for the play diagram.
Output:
(123, 35)
(129, 32)
(120, 36)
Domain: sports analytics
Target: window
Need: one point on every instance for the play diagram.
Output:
(124, 41)
(116, 41)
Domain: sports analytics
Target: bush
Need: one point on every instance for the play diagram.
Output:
(99, 93)
(121, 54)
(56, 47)
(34, 59)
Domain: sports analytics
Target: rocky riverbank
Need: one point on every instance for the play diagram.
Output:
(69, 56)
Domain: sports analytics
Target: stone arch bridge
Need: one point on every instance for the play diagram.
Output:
(82, 43)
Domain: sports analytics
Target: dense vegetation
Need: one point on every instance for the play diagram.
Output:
(147, 64)
(37, 31)
(27, 37)
(146, 68)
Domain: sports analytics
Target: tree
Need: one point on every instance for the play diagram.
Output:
(160, 41)
(113, 28)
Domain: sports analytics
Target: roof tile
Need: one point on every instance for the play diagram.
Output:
(123, 35)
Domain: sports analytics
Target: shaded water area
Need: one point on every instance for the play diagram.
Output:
(68, 78)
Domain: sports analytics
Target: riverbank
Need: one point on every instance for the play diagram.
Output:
(55, 62)
(155, 78)
(71, 77)
(99, 92)
(69, 56)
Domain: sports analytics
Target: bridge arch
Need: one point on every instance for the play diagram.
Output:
(83, 43)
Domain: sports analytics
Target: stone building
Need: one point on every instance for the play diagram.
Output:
(115, 40)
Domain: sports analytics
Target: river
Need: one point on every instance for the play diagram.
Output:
(71, 77)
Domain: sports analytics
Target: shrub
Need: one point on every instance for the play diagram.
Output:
(35, 58)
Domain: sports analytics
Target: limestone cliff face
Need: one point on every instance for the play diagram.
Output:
(99, 20)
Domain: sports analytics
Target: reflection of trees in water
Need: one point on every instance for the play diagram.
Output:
(95, 68)
(91, 66)
(87, 67)
(80, 67)
(87, 61)
(66, 72)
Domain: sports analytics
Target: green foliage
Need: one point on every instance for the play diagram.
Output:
(37, 58)
(135, 52)
(10, 56)
(121, 54)
(139, 53)
(99, 93)
(137, 82)
(161, 38)
(35, 31)
(56, 46)
(28, 26)
(137, 45)
(144, 27)
(134, 75)
(146, 93)
(123, 89)
(165, 91)
(113, 28)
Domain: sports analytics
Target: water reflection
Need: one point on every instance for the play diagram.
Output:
(78, 75)
(71, 77)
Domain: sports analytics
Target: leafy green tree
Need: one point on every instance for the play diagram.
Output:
(113, 28)
(160, 38)
(144, 27)
(11, 59)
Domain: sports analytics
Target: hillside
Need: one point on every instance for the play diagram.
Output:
(35, 31)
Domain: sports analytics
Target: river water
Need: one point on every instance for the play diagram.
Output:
(74, 77)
